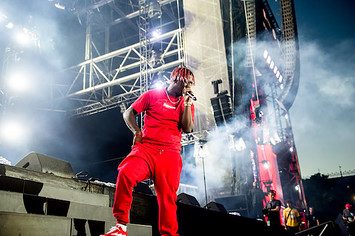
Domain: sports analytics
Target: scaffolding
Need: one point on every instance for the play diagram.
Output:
(116, 78)
(291, 55)
(115, 72)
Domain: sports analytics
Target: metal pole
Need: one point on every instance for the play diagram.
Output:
(232, 48)
(204, 178)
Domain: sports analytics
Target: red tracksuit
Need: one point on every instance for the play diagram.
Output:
(158, 157)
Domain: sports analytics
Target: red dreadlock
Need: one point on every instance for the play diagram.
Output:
(182, 73)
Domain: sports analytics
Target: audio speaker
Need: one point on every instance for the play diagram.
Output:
(214, 206)
(187, 199)
(235, 204)
(45, 164)
(222, 108)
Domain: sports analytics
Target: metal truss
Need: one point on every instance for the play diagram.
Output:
(114, 78)
(95, 89)
(249, 12)
(121, 100)
(194, 137)
(145, 46)
(291, 55)
(144, 49)
(289, 37)
(117, 78)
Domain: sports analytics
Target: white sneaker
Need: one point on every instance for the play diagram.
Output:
(117, 230)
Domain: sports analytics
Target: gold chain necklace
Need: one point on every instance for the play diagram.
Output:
(166, 91)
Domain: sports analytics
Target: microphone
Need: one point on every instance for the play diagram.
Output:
(191, 96)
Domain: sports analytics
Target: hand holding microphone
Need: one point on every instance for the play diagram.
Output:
(191, 95)
(187, 90)
(188, 93)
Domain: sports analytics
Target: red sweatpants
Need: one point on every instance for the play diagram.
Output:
(164, 167)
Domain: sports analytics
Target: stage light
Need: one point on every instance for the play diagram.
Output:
(158, 84)
(291, 149)
(275, 70)
(22, 38)
(272, 64)
(156, 59)
(297, 187)
(18, 82)
(277, 74)
(268, 60)
(159, 81)
(154, 10)
(265, 54)
(156, 33)
(266, 164)
(280, 78)
(12, 131)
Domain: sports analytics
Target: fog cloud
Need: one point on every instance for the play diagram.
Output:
(323, 111)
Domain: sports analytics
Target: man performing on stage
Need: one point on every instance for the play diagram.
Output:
(156, 150)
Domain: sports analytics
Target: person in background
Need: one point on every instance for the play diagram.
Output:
(312, 219)
(291, 218)
(349, 220)
(257, 196)
(272, 212)
(156, 150)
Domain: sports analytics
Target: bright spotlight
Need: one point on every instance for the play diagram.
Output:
(23, 38)
(280, 78)
(18, 82)
(297, 187)
(275, 70)
(266, 164)
(12, 131)
(265, 54)
(158, 84)
(156, 33)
